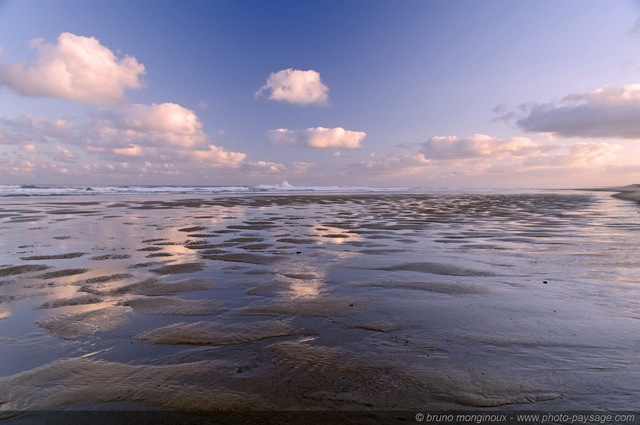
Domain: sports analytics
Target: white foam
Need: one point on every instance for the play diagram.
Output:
(284, 187)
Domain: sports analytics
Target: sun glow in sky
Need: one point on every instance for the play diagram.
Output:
(457, 93)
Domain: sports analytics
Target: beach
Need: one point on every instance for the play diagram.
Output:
(381, 302)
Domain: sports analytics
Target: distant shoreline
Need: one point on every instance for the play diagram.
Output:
(630, 192)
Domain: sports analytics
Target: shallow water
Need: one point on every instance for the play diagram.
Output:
(364, 301)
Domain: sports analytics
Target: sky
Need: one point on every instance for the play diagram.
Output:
(382, 93)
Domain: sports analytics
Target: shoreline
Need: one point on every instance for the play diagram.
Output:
(628, 193)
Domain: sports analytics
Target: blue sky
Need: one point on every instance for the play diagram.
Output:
(493, 93)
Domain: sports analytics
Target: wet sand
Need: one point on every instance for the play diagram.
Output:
(335, 302)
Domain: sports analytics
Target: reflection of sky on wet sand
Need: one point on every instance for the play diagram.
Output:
(519, 298)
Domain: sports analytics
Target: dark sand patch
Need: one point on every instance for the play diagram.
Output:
(70, 326)
(244, 240)
(382, 327)
(149, 248)
(202, 235)
(438, 268)
(109, 278)
(54, 257)
(306, 307)
(298, 241)
(27, 268)
(72, 211)
(154, 240)
(155, 287)
(179, 268)
(192, 229)
(257, 246)
(62, 273)
(66, 302)
(142, 265)
(62, 238)
(70, 382)
(172, 306)
(22, 219)
(200, 245)
(249, 258)
(110, 257)
(245, 258)
(213, 251)
(217, 333)
(440, 287)
(253, 227)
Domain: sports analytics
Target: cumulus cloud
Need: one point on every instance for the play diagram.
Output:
(159, 139)
(218, 156)
(479, 146)
(165, 133)
(75, 68)
(606, 112)
(318, 137)
(150, 125)
(295, 86)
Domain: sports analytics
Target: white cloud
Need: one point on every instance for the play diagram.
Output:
(392, 165)
(29, 129)
(479, 146)
(64, 155)
(75, 68)
(164, 133)
(264, 167)
(167, 136)
(606, 112)
(283, 137)
(30, 147)
(578, 155)
(218, 156)
(318, 137)
(295, 86)
(150, 125)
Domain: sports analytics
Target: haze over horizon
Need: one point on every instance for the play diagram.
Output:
(459, 93)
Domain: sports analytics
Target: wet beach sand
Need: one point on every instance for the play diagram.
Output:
(320, 302)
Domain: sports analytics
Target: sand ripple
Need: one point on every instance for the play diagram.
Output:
(81, 381)
(70, 326)
(216, 333)
(155, 287)
(323, 307)
(176, 306)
